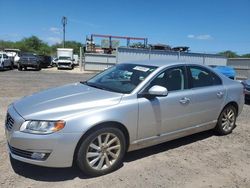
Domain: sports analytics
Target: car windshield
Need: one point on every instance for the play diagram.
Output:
(122, 78)
(64, 58)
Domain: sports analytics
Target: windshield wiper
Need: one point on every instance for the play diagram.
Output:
(93, 85)
(99, 86)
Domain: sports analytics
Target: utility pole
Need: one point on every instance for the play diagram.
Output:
(64, 22)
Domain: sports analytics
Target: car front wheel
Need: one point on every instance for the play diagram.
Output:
(101, 151)
(226, 121)
(19, 67)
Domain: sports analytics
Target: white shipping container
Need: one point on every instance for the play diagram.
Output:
(65, 52)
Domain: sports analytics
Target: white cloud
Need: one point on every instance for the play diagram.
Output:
(191, 36)
(55, 30)
(200, 37)
(53, 40)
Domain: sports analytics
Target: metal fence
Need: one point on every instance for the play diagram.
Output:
(130, 54)
(98, 62)
(241, 66)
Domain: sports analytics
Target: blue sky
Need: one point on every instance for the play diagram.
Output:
(204, 25)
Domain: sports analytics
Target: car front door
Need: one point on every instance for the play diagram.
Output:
(165, 114)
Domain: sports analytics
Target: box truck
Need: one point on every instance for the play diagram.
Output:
(65, 58)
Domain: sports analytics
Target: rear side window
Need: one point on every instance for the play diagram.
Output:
(202, 77)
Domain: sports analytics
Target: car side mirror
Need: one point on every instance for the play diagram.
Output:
(158, 91)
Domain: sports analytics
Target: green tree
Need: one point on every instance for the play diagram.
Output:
(6, 44)
(229, 54)
(68, 44)
(34, 44)
(246, 55)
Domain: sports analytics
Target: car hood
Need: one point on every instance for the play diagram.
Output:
(64, 60)
(63, 102)
(247, 82)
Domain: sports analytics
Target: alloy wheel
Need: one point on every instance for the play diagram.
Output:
(103, 151)
(228, 120)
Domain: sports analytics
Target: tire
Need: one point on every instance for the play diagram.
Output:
(226, 120)
(72, 67)
(38, 68)
(102, 159)
(11, 66)
(19, 67)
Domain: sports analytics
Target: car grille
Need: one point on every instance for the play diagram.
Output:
(9, 122)
(21, 153)
(64, 64)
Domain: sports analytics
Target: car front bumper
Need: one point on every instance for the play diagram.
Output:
(247, 94)
(64, 65)
(57, 148)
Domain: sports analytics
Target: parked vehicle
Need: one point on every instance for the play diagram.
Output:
(14, 55)
(54, 62)
(246, 84)
(226, 70)
(29, 60)
(126, 107)
(5, 61)
(45, 61)
(65, 58)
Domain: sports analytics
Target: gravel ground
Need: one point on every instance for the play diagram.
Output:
(200, 160)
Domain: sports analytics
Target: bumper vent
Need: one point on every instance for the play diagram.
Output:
(21, 153)
(26, 154)
(9, 122)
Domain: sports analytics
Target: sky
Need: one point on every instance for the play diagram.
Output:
(209, 26)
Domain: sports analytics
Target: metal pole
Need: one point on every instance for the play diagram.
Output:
(81, 65)
(149, 54)
(64, 22)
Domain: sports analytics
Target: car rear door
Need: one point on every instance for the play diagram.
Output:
(208, 94)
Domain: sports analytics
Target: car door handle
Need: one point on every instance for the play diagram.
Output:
(184, 100)
(220, 94)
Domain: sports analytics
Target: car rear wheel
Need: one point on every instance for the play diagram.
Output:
(101, 152)
(226, 121)
(38, 67)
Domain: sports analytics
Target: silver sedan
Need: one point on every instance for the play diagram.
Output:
(126, 107)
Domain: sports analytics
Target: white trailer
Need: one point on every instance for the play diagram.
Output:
(65, 58)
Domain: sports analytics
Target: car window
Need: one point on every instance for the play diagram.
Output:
(5, 56)
(173, 79)
(202, 77)
(122, 78)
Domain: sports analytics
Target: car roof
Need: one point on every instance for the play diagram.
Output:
(160, 63)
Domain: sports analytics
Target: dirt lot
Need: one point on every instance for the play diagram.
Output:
(201, 160)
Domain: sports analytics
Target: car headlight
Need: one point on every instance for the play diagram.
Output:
(42, 127)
